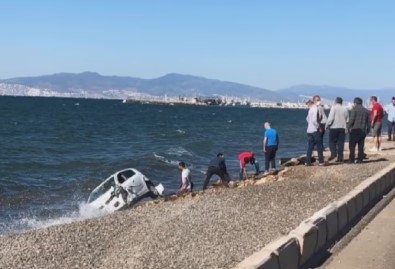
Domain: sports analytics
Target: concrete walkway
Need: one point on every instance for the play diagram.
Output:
(373, 248)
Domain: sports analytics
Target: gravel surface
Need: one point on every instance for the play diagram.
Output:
(217, 229)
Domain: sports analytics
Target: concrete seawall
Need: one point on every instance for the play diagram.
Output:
(318, 231)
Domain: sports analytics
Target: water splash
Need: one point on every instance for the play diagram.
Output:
(85, 211)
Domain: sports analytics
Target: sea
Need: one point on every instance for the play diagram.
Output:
(55, 151)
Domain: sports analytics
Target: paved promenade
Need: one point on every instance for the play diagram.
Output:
(373, 248)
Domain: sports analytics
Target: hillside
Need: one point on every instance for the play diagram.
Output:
(330, 92)
(171, 85)
(94, 85)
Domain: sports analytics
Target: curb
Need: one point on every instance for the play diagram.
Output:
(315, 233)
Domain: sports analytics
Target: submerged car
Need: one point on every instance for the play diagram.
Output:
(123, 189)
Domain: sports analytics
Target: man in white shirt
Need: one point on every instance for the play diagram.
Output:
(390, 109)
(314, 132)
(186, 183)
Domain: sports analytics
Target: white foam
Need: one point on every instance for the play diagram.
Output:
(85, 211)
(163, 159)
(179, 151)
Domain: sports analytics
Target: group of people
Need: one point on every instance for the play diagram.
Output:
(217, 166)
(358, 123)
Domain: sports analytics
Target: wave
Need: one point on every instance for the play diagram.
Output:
(85, 211)
(165, 160)
(175, 151)
(173, 134)
(179, 151)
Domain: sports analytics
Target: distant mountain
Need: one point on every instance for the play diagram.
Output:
(330, 92)
(171, 85)
(62, 82)
(94, 85)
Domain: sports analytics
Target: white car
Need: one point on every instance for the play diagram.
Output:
(122, 189)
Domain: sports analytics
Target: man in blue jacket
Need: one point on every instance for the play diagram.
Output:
(217, 167)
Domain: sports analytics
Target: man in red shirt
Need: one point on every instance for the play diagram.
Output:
(244, 158)
(376, 117)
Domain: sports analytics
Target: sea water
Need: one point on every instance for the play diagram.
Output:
(55, 151)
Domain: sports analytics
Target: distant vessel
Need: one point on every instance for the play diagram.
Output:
(124, 101)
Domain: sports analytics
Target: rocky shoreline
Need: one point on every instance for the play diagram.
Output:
(215, 229)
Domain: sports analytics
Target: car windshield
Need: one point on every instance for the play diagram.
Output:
(128, 173)
(124, 175)
(103, 188)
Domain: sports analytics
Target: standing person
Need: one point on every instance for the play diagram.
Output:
(244, 158)
(322, 119)
(314, 133)
(217, 167)
(186, 182)
(390, 109)
(358, 126)
(376, 116)
(337, 124)
(271, 142)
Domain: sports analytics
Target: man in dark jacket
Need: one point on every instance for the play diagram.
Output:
(217, 167)
(358, 126)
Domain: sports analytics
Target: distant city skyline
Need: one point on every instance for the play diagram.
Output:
(267, 44)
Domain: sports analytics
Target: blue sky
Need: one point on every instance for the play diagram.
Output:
(269, 44)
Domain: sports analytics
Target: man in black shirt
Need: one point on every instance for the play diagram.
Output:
(358, 126)
(217, 167)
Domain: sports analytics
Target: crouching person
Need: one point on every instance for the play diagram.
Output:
(245, 158)
(186, 182)
(217, 167)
